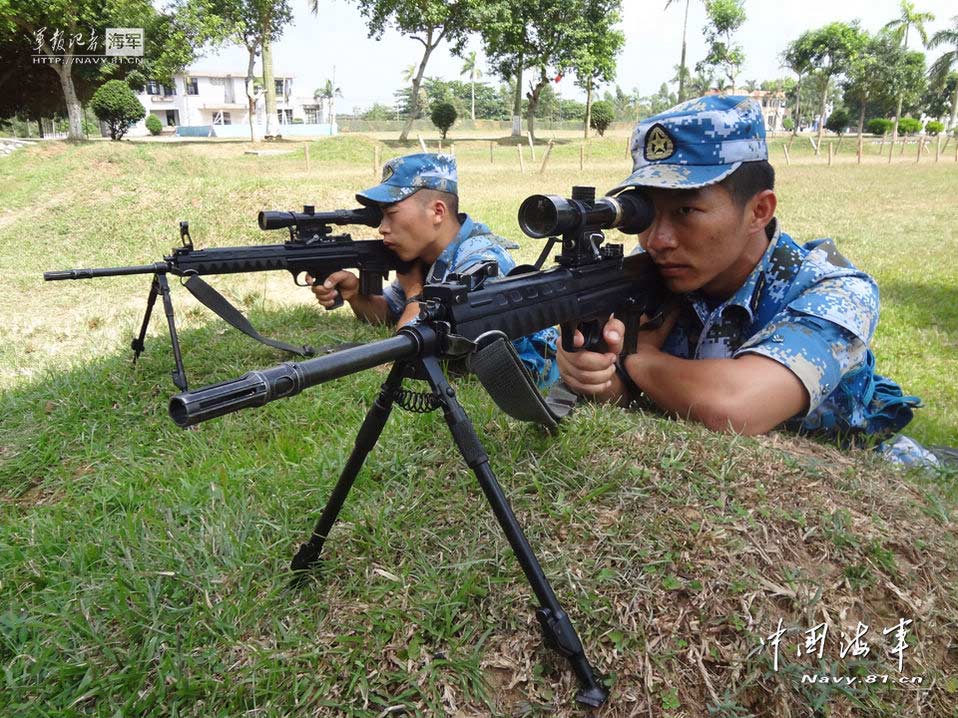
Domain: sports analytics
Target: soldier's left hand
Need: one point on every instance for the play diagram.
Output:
(412, 281)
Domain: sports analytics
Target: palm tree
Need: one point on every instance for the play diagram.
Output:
(320, 96)
(797, 58)
(329, 93)
(944, 64)
(682, 69)
(471, 67)
(899, 27)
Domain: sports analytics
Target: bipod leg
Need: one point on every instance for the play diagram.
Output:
(366, 439)
(137, 344)
(179, 373)
(557, 629)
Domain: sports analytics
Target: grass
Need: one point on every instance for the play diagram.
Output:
(144, 567)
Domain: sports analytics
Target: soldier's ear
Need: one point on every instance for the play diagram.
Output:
(761, 209)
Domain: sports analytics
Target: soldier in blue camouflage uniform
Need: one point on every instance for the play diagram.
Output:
(421, 222)
(766, 331)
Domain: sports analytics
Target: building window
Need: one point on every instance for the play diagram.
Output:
(282, 87)
(228, 95)
(285, 117)
(221, 118)
(312, 113)
(153, 88)
(171, 118)
(192, 88)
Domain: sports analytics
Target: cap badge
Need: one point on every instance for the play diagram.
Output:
(388, 172)
(658, 144)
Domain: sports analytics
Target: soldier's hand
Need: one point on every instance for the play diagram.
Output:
(593, 373)
(344, 284)
(412, 281)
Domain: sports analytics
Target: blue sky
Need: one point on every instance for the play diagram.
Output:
(370, 71)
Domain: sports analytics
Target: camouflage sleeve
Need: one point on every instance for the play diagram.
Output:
(822, 335)
(395, 301)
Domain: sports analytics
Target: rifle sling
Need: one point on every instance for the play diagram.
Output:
(512, 388)
(221, 307)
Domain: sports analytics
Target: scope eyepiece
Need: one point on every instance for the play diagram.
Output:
(546, 215)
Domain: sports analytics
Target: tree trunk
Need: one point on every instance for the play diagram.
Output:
(270, 84)
(534, 103)
(430, 45)
(332, 103)
(861, 130)
(685, 25)
(472, 93)
(588, 108)
(821, 118)
(954, 110)
(251, 91)
(74, 111)
(894, 128)
(517, 101)
(798, 105)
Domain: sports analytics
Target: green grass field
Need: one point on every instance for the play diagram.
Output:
(143, 568)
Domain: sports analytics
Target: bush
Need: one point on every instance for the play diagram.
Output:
(788, 124)
(443, 116)
(297, 120)
(115, 104)
(934, 127)
(908, 126)
(879, 126)
(154, 125)
(838, 121)
(602, 115)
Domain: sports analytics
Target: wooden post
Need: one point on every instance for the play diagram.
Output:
(452, 148)
(938, 149)
(901, 152)
(788, 160)
(440, 146)
(831, 152)
(522, 164)
(881, 146)
(814, 146)
(921, 143)
(628, 147)
(306, 147)
(545, 160)
(956, 151)
(532, 146)
(376, 161)
(490, 151)
(582, 157)
(422, 144)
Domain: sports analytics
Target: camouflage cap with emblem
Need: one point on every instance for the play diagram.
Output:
(696, 143)
(403, 176)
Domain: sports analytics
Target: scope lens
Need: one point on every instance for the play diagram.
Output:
(538, 216)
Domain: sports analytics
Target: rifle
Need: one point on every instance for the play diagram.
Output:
(469, 315)
(311, 248)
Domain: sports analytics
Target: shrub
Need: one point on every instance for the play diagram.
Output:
(934, 127)
(297, 120)
(136, 81)
(788, 124)
(154, 125)
(443, 116)
(879, 126)
(838, 120)
(908, 126)
(115, 104)
(602, 115)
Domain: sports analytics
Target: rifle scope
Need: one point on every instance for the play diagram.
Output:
(548, 215)
(368, 216)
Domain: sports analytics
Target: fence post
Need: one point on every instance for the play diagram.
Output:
(452, 148)
(831, 152)
(522, 164)
(490, 151)
(422, 144)
(788, 160)
(938, 149)
(901, 152)
(921, 143)
(532, 146)
(582, 156)
(545, 160)
(628, 147)
(306, 147)
(376, 161)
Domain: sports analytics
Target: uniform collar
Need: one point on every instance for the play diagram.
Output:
(447, 258)
(746, 297)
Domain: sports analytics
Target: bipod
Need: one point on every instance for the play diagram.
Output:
(557, 629)
(161, 286)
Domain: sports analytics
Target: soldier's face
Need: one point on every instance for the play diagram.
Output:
(408, 228)
(700, 240)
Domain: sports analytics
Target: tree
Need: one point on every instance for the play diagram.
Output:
(725, 17)
(798, 59)
(900, 27)
(941, 67)
(837, 122)
(831, 49)
(328, 94)
(154, 125)
(594, 59)
(443, 116)
(683, 71)
(115, 104)
(60, 30)
(471, 67)
(602, 115)
(428, 22)
(542, 35)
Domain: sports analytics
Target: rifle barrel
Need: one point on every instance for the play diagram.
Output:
(156, 268)
(256, 388)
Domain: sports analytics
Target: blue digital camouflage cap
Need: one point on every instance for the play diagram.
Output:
(696, 143)
(403, 176)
